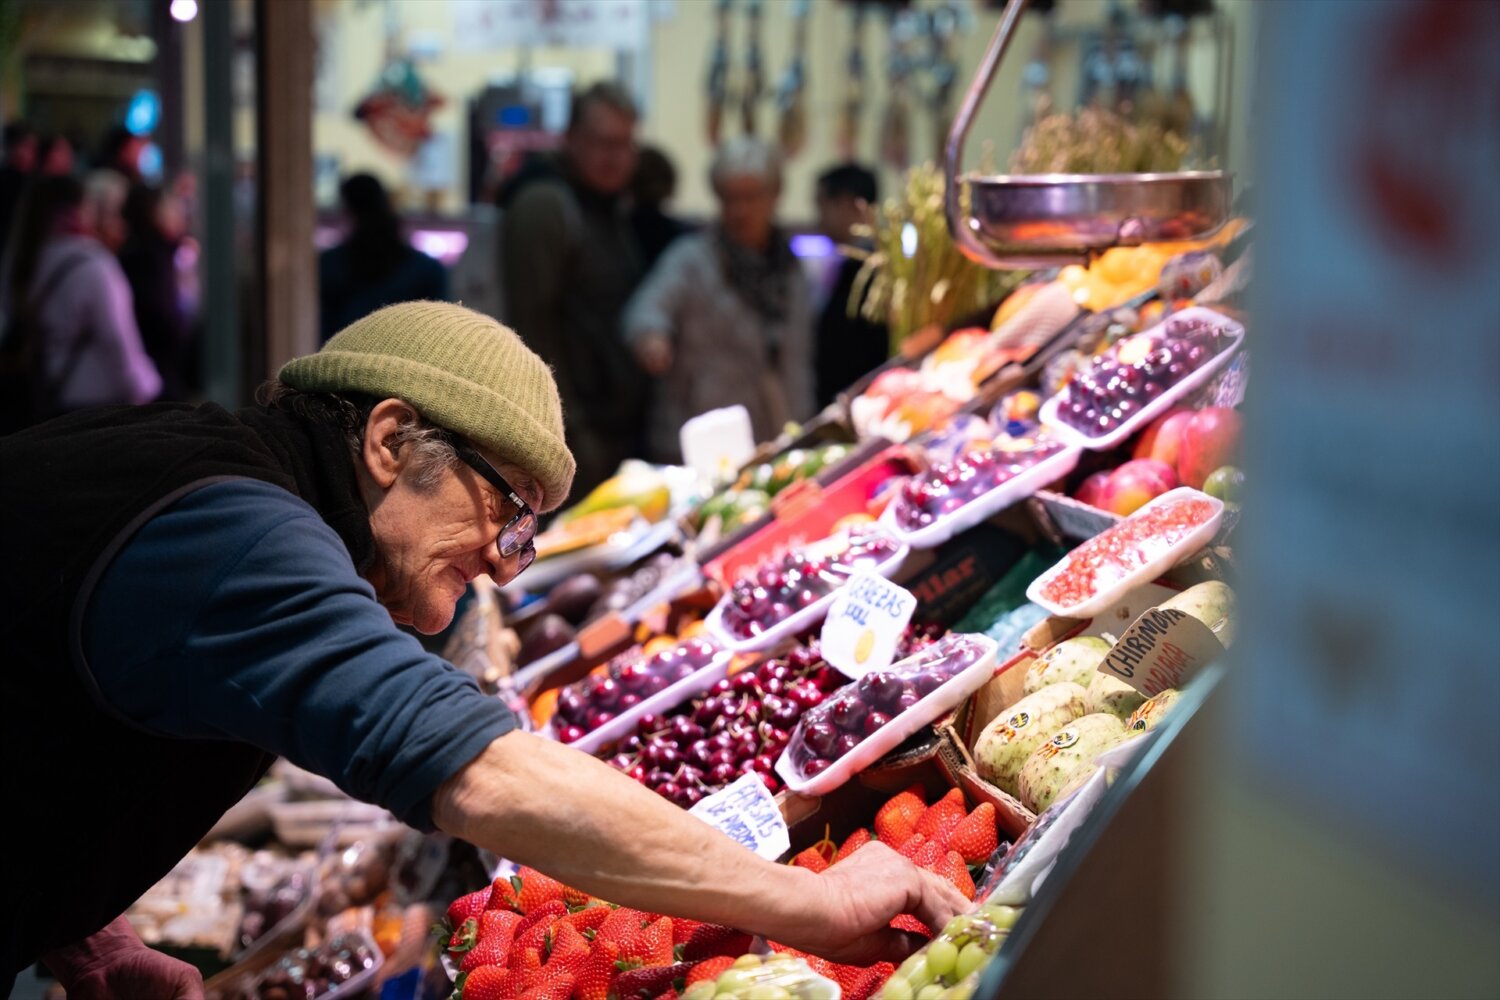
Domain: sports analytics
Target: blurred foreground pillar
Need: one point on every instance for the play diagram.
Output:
(284, 80)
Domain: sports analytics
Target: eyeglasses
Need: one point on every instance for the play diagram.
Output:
(517, 537)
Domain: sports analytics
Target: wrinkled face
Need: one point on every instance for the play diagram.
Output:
(601, 149)
(747, 206)
(431, 540)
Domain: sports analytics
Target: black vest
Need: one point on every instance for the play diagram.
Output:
(100, 809)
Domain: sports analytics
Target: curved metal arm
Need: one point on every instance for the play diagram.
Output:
(953, 157)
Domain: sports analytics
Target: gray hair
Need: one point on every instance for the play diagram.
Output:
(746, 155)
(432, 450)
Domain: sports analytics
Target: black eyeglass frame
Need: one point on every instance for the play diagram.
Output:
(516, 538)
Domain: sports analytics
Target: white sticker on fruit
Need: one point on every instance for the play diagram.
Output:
(746, 813)
(865, 623)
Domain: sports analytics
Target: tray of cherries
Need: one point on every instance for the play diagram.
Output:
(1142, 377)
(951, 497)
(788, 594)
(863, 721)
(741, 724)
(603, 708)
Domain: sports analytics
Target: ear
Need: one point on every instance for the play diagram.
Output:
(382, 460)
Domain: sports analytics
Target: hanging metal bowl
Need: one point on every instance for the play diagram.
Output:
(1040, 220)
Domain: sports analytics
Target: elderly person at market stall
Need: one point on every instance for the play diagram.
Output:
(190, 592)
(726, 314)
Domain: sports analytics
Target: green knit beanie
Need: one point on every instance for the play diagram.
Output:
(463, 371)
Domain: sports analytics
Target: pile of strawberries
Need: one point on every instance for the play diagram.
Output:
(529, 937)
(944, 838)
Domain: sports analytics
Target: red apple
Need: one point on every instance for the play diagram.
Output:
(1135, 484)
(1209, 440)
(1091, 489)
(1163, 438)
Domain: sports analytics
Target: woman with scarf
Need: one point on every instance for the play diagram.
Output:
(726, 315)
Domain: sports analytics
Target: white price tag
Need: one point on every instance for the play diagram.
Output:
(865, 623)
(747, 814)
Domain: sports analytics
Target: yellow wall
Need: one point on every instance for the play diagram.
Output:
(678, 63)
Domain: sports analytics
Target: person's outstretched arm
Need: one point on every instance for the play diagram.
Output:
(577, 819)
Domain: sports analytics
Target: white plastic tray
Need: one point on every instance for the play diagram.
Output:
(1161, 404)
(622, 548)
(796, 623)
(984, 506)
(1171, 556)
(666, 699)
(926, 711)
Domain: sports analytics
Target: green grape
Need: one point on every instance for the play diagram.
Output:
(703, 990)
(942, 956)
(746, 962)
(905, 968)
(767, 991)
(932, 991)
(817, 989)
(958, 924)
(920, 975)
(972, 957)
(732, 981)
(965, 987)
(1004, 917)
(896, 988)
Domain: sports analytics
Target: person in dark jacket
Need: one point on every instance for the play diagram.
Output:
(569, 261)
(375, 266)
(848, 345)
(19, 162)
(153, 226)
(655, 180)
(190, 592)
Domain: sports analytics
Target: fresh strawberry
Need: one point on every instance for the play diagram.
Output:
(912, 847)
(682, 929)
(504, 894)
(576, 898)
(868, 982)
(588, 919)
(488, 982)
(463, 939)
(910, 924)
(620, 926)
(599, 972)
(897, 819)
(975, 839)
(649, 982)
(952, 868)
(651, 946)
(466, 907)
(535, 889)
(928, 855)
(710, 940)
(492, 942)
(859, 838)
(669, 995)
(812, 859)
(533, 929)
(569, 948)
(550, 986)
(709, 969)
(942, 817)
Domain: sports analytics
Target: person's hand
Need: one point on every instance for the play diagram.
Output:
(847, 921)
(114, 963)
(139, 972)
(653, 352)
